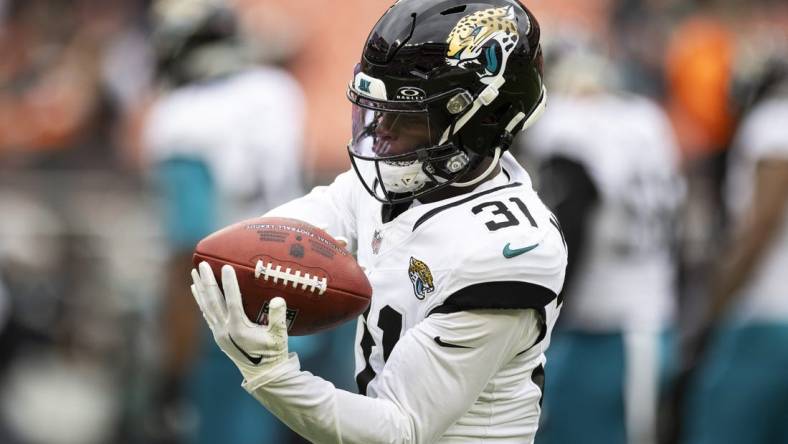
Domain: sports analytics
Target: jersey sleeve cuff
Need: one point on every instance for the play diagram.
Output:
(292, 364)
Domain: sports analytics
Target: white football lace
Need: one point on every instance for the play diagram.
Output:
(306, 281)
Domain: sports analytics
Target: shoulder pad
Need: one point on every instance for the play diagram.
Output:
(509, 253)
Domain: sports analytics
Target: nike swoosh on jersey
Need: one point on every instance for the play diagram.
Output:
(509, 253)
(253, 359)
(446, 344)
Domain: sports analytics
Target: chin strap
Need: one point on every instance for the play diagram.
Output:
(485, 174)
(537, 111)
(486, 97)
(532, 118)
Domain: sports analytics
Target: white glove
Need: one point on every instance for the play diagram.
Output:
(255, 349)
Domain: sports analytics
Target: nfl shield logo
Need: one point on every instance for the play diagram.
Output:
(377, 239)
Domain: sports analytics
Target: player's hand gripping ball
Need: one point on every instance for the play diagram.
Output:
(320, 281)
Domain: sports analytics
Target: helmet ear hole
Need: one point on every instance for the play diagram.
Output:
(489, 134)
(497, 115)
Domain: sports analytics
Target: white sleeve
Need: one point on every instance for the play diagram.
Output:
(424, 387)
(331, 207)
(762, 134)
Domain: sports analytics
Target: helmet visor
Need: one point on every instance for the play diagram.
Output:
(379, 134)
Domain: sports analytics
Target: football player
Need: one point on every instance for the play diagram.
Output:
(739, 389)
(203, 138)
(465, 261)
(609, 167)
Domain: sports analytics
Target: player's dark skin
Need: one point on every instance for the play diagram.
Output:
(399, 133)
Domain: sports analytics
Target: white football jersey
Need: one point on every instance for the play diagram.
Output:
(625, 278)
(762, 135)
(465, 295)
(247, 128)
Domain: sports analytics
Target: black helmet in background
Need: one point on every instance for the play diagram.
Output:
(196, 40)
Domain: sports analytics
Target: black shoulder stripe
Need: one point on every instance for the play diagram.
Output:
(502, 294)
(437, 210)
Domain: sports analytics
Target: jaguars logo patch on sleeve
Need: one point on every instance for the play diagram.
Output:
(421, 277)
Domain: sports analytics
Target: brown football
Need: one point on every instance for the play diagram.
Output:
(322, 283)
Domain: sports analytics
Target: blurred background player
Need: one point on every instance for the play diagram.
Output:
(68, 315)
(608, 167)
(739, 390)
(224, 141)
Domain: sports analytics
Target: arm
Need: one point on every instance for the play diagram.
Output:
(330, 207)
(762, 220)
(189, 213)
(571, 193)
(424, 387)
(186, 198)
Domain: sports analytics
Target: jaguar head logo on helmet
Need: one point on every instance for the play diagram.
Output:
(440, 92)
(485, 38)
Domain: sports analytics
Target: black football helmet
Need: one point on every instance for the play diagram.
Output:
(196, 40)
(442, 85)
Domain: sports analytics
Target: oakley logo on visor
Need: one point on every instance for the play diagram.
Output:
(410, 93)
